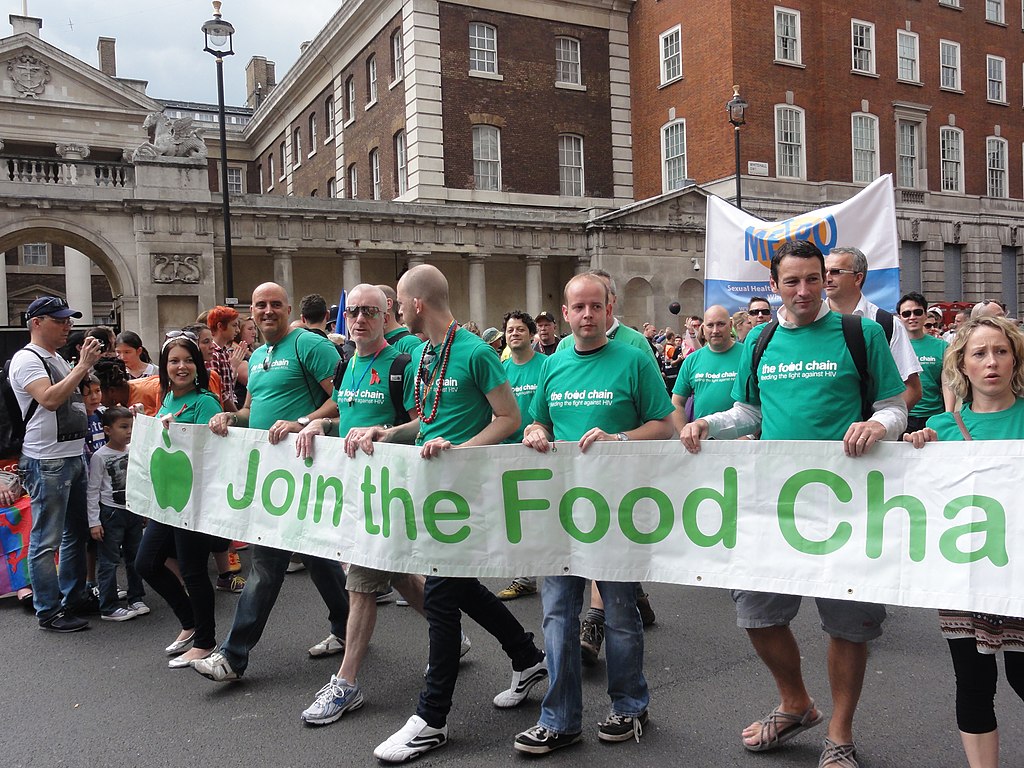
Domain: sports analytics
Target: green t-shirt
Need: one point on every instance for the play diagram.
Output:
(200, 406)
(364, 399)
(808, 387)
(616, 388)
(523, 379)
(1002, 425)
(463, 411)
(709, 377)
(290, 386)
(929, 351)
(623, 333)
(408, 343)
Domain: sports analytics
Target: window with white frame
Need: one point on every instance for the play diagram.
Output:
(375, 173)
(671, 46)
(908, 56)
(787, 35)
(353, 181)
(397, 57)
(996, 66)
(995, 152)
(483, 48)
(284, 158)
(863, 46)
(312, 134)
(486, 157)
(570, 165)
(951, 148)
(235, 181)
(401, 164)
(673, 155)
(950, 3)
(332, 187)
(297, 146)
(864, 129)
(350, 99)
(908, 134)
(371, 80)
(789, 142)
(994, 11)
(949, 65)
(567, 61)
(34, 255)
(270, 170)
(328, 118)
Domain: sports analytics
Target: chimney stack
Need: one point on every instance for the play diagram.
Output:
(27, 24)
(108, 62)
(260, 79)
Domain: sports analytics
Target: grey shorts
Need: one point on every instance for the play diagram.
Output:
(844, 619)
(362, 579)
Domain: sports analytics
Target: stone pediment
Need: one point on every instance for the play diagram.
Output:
(38, 75)
(683, 209)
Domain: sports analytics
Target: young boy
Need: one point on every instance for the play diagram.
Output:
(116, 530)
(92, 396)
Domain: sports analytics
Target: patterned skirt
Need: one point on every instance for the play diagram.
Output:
(991, 633)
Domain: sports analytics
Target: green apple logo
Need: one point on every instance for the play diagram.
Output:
(171, 474)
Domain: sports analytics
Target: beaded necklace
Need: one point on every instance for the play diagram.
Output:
(438, 372)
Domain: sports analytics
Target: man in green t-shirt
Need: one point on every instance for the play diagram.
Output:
(912, 310)
(708, 374)
(806, 387)
(594, 391)
(616, 330)
(289, 386)
(460, 396)
(523, 366)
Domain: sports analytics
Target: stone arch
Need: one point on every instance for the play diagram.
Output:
(637, 302)
(691, 297)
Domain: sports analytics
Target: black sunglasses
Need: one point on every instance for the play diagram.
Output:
(929, 326)
(759, 312)
(912, 312)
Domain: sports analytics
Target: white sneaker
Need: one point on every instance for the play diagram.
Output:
(215, 667)
(415, 738)
(464, 645)
(522, 682)
(329, 646)
(119, 614)
(139, 607)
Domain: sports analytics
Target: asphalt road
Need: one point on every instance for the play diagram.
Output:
(105, 697)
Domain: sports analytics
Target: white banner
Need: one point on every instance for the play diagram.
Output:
(942, 527)
(739, 246)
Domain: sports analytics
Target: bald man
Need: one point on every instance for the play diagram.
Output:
(290, 383)
(396, 334)
(987, 308)
(708, 374)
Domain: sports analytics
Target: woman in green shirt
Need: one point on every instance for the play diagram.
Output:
(185, 398)
(984, 367)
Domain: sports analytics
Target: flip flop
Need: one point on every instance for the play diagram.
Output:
(783, 726)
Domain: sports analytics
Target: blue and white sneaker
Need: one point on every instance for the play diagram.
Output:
(332, 701)
(415, 738)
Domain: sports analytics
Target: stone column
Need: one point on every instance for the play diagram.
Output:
(351, 274)
(78, 280)
(5, 309)
(417, 258)
(534, 288)
(284, 273)
(581, 264)
(477, 291)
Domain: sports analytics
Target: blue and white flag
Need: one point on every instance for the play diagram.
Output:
(739, 246)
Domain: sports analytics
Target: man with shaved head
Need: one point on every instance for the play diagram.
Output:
(396, 334)
(290, 382)
(708, 374)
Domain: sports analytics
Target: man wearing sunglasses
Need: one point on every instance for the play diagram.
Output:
(759, 310)
(46, 388)
(846, 269)
(912, 310)
(290, 383)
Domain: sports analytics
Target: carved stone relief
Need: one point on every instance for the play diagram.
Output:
(30, 75)
(176, 268)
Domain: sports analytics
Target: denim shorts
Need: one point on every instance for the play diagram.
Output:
(843, 619)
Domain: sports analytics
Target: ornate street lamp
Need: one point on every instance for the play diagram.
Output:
(219, 44)
(737, 109)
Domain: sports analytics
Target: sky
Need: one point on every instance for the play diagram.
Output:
(162, 42)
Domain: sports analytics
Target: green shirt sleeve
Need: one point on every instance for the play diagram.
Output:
(207, 406)
(682, 386)
(317, 355)
(539, 408)
(885, 376)
(486, 368)
(744, 373)
(654, 402)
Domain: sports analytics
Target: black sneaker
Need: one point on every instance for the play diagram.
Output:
(90, 606)
(591, 640)
(539, 740)
(643, 604)
(63, 622)
(618, 727)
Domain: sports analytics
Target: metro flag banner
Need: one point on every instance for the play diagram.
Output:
(941, 527)
(738, 247)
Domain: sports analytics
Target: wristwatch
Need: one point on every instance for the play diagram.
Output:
(302, 421)
(621, 437)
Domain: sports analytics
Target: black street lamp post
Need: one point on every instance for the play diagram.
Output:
(218, 43)
(737, 109)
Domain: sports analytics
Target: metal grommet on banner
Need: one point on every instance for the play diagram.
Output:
(565, 569)
(700, 578)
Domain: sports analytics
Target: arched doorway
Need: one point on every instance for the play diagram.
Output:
(637, 302)
(691, 297)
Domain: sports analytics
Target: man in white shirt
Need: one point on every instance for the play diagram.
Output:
(52, 461)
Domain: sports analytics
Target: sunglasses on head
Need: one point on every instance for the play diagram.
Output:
(172, 335)
(371, 313)
(912, 312)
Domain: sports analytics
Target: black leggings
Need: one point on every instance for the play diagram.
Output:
(976, 676)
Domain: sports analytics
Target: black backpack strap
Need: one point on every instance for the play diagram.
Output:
(339, 373)
(405, 332)
(885, 319)
(853, 334)
(34, 405)
(759, 347)
(396, 387)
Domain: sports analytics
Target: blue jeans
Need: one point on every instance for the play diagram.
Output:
(57, 488)
(122, 532)
(562, 708)
(261, 591)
